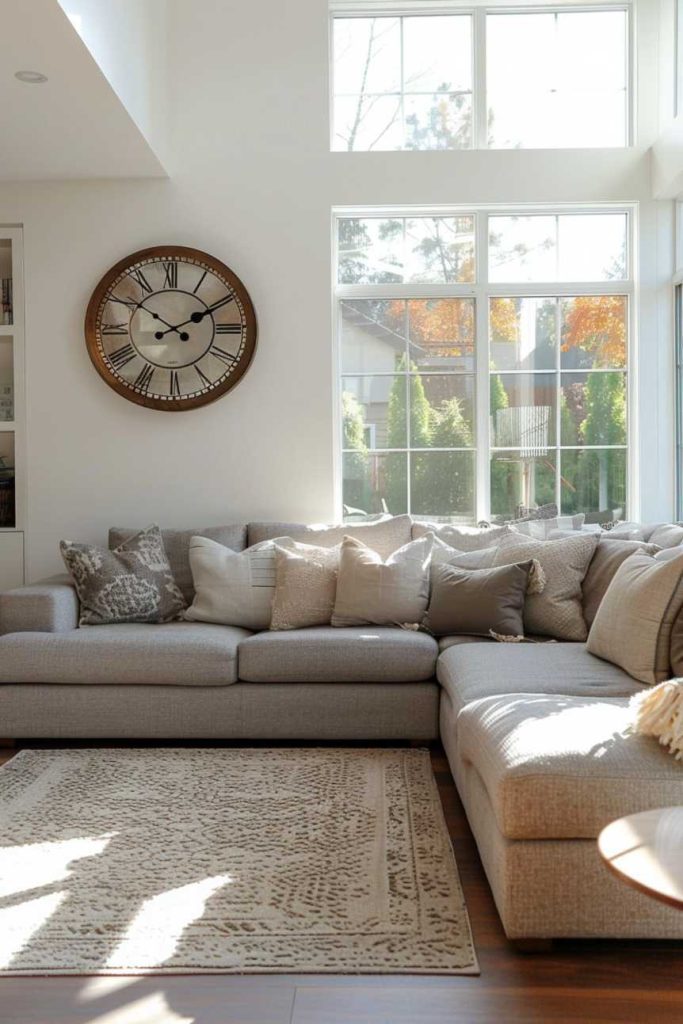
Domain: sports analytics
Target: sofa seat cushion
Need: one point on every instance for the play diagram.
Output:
(174, 654)
(564, 767)
(325, 654)
(471, 671)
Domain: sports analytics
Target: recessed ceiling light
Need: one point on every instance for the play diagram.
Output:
(31, 77)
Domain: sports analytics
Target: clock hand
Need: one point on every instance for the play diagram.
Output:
(159, 335)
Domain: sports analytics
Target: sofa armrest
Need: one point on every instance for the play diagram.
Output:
(49, 606)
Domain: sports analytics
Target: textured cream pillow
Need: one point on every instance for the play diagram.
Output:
(391, 593)
(557, 611)
(305, 586)
(632, 627)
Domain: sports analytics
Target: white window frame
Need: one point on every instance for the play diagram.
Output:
(481, 291)
(405, 8)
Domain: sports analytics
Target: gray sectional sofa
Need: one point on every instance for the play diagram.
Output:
(536, 734)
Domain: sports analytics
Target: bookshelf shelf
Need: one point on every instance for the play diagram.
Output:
(12, 414)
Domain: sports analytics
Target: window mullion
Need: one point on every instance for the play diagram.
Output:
(480, 112)
(482, 389)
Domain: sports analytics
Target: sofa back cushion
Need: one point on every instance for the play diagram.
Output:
(463, 538)
(633, 625)
(177, 546)
(608, 556)
(382, 535)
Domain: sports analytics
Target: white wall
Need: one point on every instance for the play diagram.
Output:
(253, 182)
(128, 39)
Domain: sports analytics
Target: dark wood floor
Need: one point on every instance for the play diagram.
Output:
(575, 983)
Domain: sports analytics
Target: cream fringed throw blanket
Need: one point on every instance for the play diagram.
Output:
(659, 712)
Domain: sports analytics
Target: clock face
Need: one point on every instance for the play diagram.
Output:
(171, 328)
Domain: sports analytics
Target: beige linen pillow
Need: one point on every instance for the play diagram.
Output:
(608, 556)
(478, 601)
(305, 586)
(463, 538)
(632, 628)
(394, 592)
(557, 611)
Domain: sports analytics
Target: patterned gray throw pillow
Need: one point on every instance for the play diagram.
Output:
(132, 583)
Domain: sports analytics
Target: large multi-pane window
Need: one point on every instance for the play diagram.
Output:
(483, 361)
(545, 78)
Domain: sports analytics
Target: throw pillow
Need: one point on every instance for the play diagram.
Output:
(132, 583)
(557, 610)
(608, 556)
(177, 547)
(305, 586)
(234, 588)
(394, 592)
(665, 535)
(463, 538)
(632, 627)
(384, 535)
(478, 601)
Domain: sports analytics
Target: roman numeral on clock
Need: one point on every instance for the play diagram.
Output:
(144, 378)
(121, 356)
(114, 329)
(203, 378)
(174, 384)
(222, 302)
(199, 283)
(228, 328)
(170, 275)
(224, 357)
(138, 276)
(129, 303)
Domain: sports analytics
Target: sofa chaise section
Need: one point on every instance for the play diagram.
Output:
(543, 759)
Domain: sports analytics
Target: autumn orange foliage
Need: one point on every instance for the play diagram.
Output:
(597, 324)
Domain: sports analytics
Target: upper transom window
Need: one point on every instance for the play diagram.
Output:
(548, 79)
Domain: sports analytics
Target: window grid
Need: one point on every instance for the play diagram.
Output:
(482, 448)
(479, 135)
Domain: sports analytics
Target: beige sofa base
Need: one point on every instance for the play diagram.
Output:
(244, 711)
(547, 888)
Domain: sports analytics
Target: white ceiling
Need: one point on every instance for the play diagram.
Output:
(74, 125)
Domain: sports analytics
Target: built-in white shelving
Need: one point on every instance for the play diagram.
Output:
(12, 411)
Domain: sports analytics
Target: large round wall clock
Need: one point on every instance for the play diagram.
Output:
(171, 328)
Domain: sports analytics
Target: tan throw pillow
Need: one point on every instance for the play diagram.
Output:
(371, 591)
(478, 601)
(632, 628)
(305, 586)
(608, 556)
(557, 611)
(463, 538)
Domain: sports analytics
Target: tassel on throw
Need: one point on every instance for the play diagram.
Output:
(659, 712)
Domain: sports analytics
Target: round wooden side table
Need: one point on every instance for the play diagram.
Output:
(645, 850)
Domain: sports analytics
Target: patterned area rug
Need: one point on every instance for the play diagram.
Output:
(227, 861)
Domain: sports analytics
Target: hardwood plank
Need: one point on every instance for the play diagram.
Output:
(211, 999)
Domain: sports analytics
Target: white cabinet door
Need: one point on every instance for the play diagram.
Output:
(11, 560)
